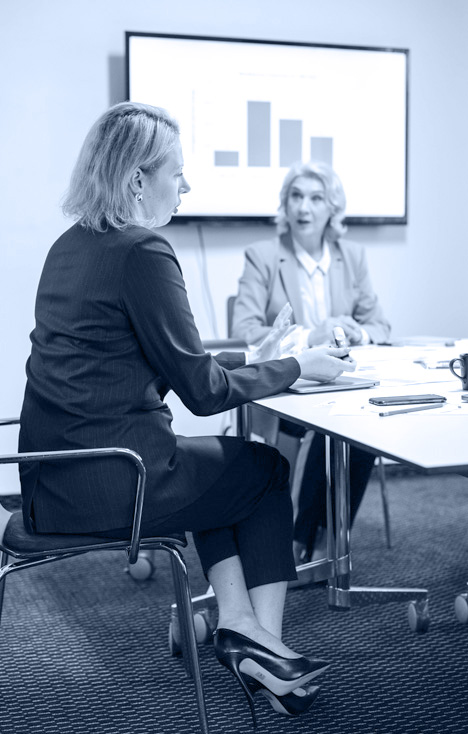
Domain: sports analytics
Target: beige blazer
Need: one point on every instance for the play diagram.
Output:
(270, 280)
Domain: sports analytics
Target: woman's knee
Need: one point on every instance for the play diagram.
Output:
(277, 465)
(283, 471)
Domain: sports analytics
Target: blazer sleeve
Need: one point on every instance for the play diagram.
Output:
(154, 296)
(368, 311)
(249, 320)
(230, 360)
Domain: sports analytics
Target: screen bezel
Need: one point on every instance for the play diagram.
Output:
(245, 218)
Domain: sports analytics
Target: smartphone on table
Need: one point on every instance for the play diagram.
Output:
(408, 399)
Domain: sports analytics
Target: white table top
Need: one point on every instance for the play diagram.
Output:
(431, 440)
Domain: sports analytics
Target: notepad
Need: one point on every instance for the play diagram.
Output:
(341, 383)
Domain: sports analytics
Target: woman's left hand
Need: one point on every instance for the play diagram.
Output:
(351, 328)
(270, 348)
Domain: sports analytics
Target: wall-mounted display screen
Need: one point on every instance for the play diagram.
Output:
(249, 109)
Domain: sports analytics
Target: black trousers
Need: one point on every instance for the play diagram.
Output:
(248, 512)
(312, 509)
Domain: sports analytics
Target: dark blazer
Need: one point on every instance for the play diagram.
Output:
(114, 332)
(270, 280)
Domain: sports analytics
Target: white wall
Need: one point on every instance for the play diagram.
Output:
(61, 65)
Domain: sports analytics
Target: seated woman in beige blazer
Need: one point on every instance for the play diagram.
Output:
(326, 281)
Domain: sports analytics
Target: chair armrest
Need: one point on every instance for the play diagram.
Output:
(128, 454)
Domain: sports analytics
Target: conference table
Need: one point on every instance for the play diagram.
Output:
(430, 441)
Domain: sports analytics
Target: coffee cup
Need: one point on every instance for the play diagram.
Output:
(461, 363)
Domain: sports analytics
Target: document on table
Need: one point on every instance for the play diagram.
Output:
(400, 366)
(394, 366)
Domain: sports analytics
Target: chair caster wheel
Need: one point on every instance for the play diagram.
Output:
(418, 616)
(205, 625)
(143, 569)
(461, 608)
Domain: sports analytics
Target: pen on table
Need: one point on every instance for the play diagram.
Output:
(413, 410)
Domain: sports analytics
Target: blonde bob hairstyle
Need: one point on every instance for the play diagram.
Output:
(334, 195)
(126, 137)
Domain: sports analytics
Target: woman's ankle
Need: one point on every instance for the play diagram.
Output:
(243, 622)
(300, 552)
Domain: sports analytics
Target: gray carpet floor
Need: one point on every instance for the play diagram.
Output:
(83, 646)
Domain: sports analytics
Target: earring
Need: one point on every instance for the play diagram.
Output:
(139, 197)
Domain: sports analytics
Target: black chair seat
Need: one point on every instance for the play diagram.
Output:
(16, 541)
(33, 550)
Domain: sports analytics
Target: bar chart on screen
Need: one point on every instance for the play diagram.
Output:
(251, 128)
(258, 120)
(249, 110)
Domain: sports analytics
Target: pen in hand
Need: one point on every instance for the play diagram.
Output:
(340, 340)
(412, 410)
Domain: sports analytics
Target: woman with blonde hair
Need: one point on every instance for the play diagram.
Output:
(114, 333)
(326, 280)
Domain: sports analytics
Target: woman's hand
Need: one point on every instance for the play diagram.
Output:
(270, 348)
(324, 364)
(351, 329)
(323, 334)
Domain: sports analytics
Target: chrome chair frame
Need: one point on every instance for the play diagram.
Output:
(50, 547)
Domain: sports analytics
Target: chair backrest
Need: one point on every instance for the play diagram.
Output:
(230, 313)
(89, 454)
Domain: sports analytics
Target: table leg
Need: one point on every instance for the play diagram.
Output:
(243, 421)
(338, 527)
(340, 591)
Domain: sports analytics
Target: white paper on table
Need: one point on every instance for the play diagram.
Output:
(397, 365)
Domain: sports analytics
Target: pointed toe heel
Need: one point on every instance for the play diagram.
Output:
(278, 674)
(295, 703)
(233, 666)
(282, 680)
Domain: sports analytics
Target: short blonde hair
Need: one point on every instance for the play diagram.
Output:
(334, 194)
(128, 136)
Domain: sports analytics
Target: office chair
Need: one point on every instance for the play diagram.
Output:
(295, 449)
(34, 550)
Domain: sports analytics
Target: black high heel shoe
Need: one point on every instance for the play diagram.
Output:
(246, 658)
(295, 703)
